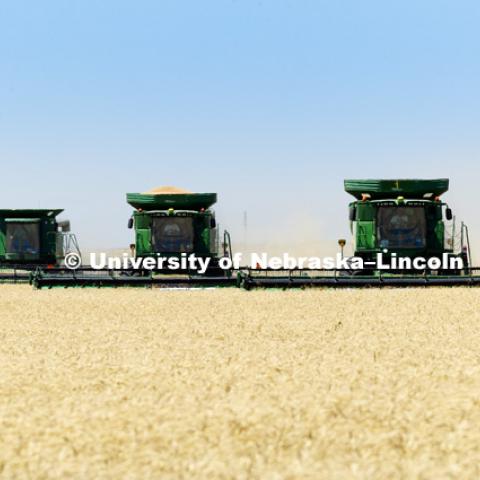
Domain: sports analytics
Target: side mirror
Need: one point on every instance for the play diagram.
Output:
(64, 226)
(352, 213)
(130, 222)
(448, 214)
(213, 222)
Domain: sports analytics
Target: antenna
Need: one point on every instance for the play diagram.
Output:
(245, 224)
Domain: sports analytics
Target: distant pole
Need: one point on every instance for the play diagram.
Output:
(245, 223)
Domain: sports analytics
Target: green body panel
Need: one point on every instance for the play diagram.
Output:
(388, 189)
(142, 222)
(177, 201)
(365, 236)
(438, 238)
(45, 219)
(365, 211)
(142, 242)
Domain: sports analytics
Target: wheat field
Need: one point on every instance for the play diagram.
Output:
(140, 384)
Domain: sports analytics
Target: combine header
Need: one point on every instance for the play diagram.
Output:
(396, 219)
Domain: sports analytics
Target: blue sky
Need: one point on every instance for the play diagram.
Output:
(269, 103)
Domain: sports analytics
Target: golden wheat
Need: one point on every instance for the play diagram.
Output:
(231, 384)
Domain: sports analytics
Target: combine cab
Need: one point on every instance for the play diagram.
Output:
(32, 238)
(406, 218)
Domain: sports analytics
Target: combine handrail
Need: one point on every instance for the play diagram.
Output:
(466, 237)
(227, 245)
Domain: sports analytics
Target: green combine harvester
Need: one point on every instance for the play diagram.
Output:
(171, 224)
(391, 220)
(32, 238)
(399, 219)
